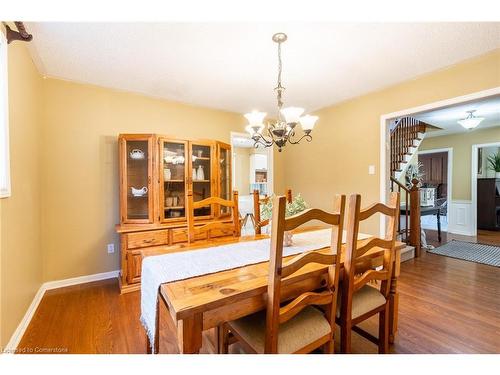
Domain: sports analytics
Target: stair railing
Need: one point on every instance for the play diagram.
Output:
(409, 213)
(402, 137)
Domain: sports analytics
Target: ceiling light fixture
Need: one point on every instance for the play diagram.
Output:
(283, 130)
(471, 121)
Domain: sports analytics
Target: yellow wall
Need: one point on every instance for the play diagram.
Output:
(279, 179)
(21, 255)
(80, 164)
(462, 156)
(347, 135)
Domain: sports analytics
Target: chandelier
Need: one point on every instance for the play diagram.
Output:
(283, 129)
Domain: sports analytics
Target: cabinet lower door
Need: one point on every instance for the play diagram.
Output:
(134, 264)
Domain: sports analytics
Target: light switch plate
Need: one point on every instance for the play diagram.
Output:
(111, 248)
(371, 169)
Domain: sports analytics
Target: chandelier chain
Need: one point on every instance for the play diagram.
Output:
(279, 87)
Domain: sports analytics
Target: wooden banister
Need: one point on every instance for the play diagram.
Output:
(415, 235)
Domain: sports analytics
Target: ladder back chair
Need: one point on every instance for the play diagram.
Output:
(294, 326)
(359, 301)
(257, 203)
(220, 224)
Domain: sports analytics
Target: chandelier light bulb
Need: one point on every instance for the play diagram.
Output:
(292, 114)
(255, 118)
(307, 122)
(255, 129)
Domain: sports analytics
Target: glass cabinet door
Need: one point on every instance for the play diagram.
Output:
(201, 176)
(224, 180)
(136, 160)
(173, 173)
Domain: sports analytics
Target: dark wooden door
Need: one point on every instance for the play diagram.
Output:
(435, 168)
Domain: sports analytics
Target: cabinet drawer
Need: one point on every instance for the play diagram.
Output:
(181, 235)
(221, 232)
(134, 265)
(147, 239)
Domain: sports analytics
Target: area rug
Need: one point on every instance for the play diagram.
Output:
(472, 252)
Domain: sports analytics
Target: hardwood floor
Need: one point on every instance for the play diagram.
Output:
(446, 306)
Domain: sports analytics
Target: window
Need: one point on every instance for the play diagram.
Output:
(4, 121)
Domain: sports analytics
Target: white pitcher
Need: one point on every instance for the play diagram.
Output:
(136, 154)
(139, 192)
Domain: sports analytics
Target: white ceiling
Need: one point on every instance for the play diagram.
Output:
(233, 66)
(446, 118)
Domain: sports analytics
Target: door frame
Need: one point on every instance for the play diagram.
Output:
(385, 138)
(475, 149)
(270, 162)
(449, 179)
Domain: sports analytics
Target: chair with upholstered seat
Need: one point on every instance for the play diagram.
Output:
(297, 326)
(360, 296)
(223, 225)
(259, 223)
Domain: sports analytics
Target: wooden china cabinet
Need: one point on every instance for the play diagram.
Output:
(156, 173)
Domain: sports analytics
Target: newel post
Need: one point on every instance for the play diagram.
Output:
(415, 217)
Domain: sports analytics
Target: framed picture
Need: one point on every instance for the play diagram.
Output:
(480, 161)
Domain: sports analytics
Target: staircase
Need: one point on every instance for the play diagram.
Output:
(406, 135)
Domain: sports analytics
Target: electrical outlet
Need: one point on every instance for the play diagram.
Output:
(111, 248)
(371, 169)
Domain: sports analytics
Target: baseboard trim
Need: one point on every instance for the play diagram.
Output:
(467, 233)
(80, 280)
(25, 321)
(16, 337)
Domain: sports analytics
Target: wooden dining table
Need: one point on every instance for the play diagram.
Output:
(204, 302)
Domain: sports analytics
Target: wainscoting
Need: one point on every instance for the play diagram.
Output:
(460, 218)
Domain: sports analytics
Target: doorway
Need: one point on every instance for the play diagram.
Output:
(485, 187)
(252, 170)
(437, 168)
(385, 169)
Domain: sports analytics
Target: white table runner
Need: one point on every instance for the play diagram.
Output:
(160, 269)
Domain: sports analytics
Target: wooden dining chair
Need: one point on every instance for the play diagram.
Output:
(296, 326)
(360, 295)
(257, 203)
(223, 224)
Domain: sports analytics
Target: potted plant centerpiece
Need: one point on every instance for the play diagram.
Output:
(494, 163)
(414, 171)
(295, 207)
